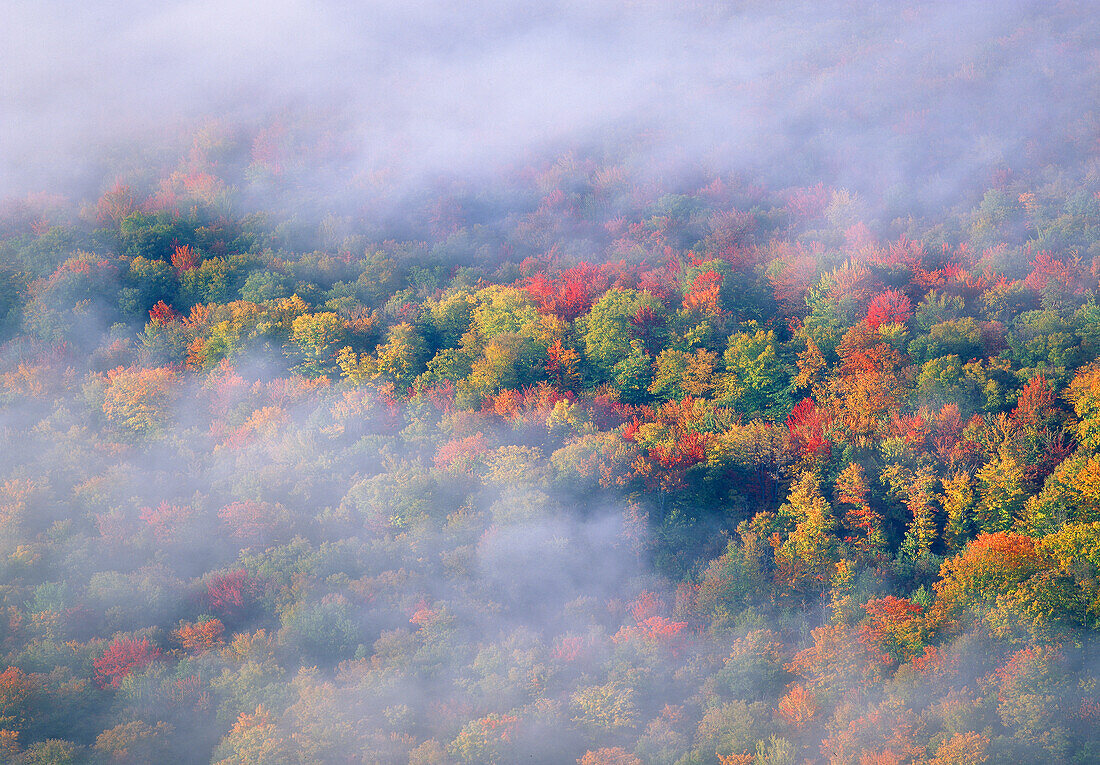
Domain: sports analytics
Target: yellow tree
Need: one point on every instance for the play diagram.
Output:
(805, 559)
(1001, 493)
(958, 505)
(864, 524)
(316, 338)
(139, 399)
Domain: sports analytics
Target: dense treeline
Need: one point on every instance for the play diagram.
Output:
(595, 467)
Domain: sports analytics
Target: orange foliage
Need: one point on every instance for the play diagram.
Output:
(868, 387)
(199, 637)
(895, 625)
(798, 708)
(744, 758)
(184, 258)
(704, 293)
(878, 738)
(968, 748)
(137, 398)
(162, 313)
(989, 566)
(609, 756)
(462, 453)
(839, 657)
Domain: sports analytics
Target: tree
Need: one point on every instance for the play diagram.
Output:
(1001, 493)
(839, 660)
(122, 657)
(921, 532)
(139, 399)
(605, 708)
(889, 307)
(991, 565)
(895, 626)
(864, 524)
(254, 740)
(607, 330)
(958, 505)
(230, 594)
(967, 748)
(315, 338)
(756, 381)
(679, 374)
(868, 386)
(608, 756)
(16, 691)
(806, 557)
(561, 366)
(136, 742)
(1084, 394)
(807, 427)
(489, 740)
(199, 637)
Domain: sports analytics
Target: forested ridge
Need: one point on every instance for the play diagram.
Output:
(615, 451)
(612, 471)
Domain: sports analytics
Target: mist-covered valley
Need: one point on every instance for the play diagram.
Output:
(616, 383)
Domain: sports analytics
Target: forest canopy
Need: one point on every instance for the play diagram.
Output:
(602, 454)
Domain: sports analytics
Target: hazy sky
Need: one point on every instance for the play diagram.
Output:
(850, 92)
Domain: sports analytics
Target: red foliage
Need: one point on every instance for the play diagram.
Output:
(912, 428)
(252, 521)
(169, 522)
(230, 594)
(647, 604)
(568, 649)
(688, 450)
(808, 201)
(1036, 402)
(123, 657)
(889, 307)
(569, 293)
(1045, 270)
(806, 424)
(162, 313)
(660, 628)
(462, 452)
(607, 413)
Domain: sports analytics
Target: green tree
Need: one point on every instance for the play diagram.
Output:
(756, 381)
(606, 328)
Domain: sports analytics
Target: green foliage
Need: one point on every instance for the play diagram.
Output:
(606, 328)
(756, 380)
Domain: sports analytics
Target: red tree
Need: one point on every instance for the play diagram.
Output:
(889, 307)
(123, 657)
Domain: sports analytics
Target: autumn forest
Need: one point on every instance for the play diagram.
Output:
(603, 454)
